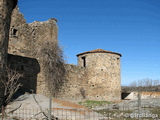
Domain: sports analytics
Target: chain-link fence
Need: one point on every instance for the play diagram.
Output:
(115, 112)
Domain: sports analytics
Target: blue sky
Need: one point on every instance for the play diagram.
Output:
(129, 27)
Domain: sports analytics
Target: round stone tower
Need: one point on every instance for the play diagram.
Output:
(104, 76)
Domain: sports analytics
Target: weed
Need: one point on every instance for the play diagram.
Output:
(92, 103)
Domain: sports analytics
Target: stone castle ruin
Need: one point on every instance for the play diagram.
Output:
(96, 77)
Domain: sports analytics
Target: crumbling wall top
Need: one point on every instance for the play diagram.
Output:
(50, 21)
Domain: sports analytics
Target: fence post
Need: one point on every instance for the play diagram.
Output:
(50, 107)
(108, 111)
(139, 104)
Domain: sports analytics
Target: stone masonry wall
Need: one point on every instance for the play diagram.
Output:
(29, 68)
(6, 7)
(28, 40)
(71, 89)
(104, 77)
(98, 80)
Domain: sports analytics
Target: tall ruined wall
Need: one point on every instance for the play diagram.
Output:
(28, 40)
(6, 7)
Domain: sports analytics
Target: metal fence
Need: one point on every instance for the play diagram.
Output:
(57, 114)
(125, 112)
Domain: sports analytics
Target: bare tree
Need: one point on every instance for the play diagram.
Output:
(144, 85)
(156, 82)
(53, 65)
(11, 84)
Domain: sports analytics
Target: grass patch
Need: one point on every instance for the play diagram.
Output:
(92, 103)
